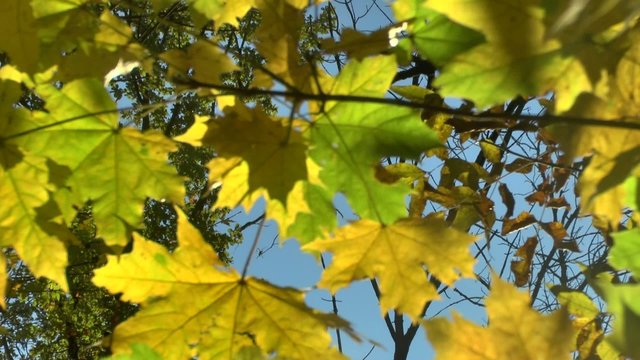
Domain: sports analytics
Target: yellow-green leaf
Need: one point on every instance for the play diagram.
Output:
(397, 254)
(24, 187)
(115, 168)
(236, 311)
(515, 331)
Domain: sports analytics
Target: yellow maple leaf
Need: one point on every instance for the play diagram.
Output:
(397, 254)
(220, 11)
(184, 299)
(258, 157)
(515, 331)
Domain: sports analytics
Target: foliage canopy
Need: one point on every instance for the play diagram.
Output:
(129, 128)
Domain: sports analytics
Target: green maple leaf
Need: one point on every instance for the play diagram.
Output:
(25, 189)
(116, 168)
(625, 253)
(191, 306)
(435, 36)
(349, 139)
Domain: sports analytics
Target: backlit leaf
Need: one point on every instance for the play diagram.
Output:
(235, 310)
(204, 60)
(349, 139)
(515, 331)
(24, 187)
(516, 52)
(273, 150)
(507, 199)
(3, 280)
(397, 254)
(522, 221)
(81, 131)
(625, 253)
(436, 37)
(220, 11)
(622, 303)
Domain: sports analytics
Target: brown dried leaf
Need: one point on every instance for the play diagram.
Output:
(561, 175)
(385, 176)
(522, 221)
(507, 200)
(559, 233)
(555, 229)
(522, 268)
(536, 197)
(469, 173)
(520, 165)
(557, 203)
(486, 212)
(568, 244)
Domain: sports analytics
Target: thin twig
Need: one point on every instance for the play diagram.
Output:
(334, 303)
(253, 248)
(625, 123)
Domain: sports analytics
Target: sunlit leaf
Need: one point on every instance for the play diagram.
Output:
(397, 255)
(515, 331)
(625, 253)
(81, 131)
(236, 310)
(349, 139)
(623, 305)
(435, 36)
